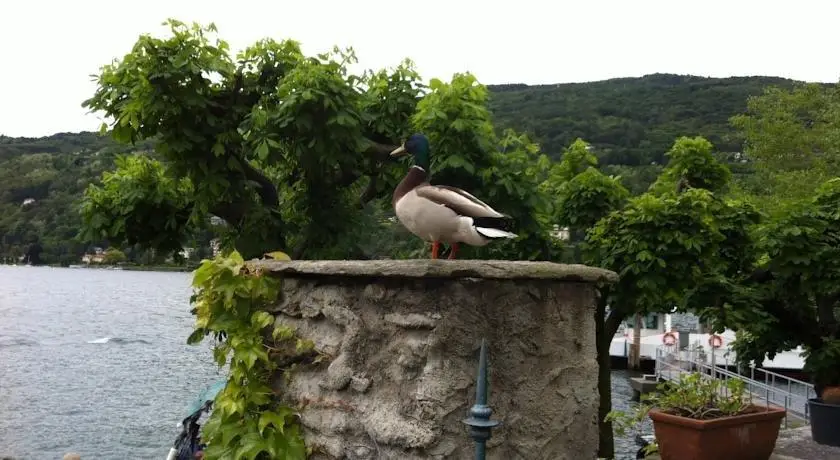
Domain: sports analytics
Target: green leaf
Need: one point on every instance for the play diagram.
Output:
(262, 150)
(202, 274)
(251, 445)
(196, 336)
(220, 355)
(644, 256)
(275, 419)
(277, 255)
(282, 332)
(262, 319)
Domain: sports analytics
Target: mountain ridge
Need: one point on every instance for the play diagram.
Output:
(630, 120)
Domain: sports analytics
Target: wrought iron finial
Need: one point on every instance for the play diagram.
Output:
(479, 420)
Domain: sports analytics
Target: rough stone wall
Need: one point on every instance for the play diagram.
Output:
(403, 361)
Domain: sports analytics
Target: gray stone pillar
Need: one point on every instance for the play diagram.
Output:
(403, 337)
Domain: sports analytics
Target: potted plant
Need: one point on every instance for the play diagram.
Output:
(700, 418)
(824, 411)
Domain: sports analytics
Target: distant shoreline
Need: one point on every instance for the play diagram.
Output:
(136, 268)
(156, 268)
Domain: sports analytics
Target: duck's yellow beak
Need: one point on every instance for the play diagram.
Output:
(399, 152)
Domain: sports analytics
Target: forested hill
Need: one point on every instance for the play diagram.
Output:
(631, 121)
(41, 181)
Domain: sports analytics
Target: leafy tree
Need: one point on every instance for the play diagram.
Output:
(637, 179)
(793, 295)
(792, 128)
(217, 120)
(585, 194)
(145, 205)
(290, 151)
(577, 158)
(792, 141)
(113, 256)
(665, 244)
(691, 164)
(513, 182)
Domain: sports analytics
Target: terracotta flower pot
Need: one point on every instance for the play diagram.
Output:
(742, 437)
(831, 395)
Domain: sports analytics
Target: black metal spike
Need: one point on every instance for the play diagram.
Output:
(479, 421)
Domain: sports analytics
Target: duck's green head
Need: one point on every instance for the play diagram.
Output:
(418, 147)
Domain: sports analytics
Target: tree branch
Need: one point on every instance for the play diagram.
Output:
(801, 325)
(302, 247)
(796, 325)
(760, 275)
(614, 319)
(231, 213)
(369, 192)
(380, 151)
(267, 190)
(825, 314)
(613, 322)
(682, 185)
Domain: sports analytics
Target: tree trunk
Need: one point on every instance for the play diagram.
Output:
(576, 237)
(634, 360)
(605, 329)
(606, 441)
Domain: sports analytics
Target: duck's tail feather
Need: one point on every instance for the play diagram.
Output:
(494, 227)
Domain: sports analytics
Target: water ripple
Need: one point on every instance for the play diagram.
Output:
(95, 362)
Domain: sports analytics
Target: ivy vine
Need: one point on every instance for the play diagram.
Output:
(247, 421)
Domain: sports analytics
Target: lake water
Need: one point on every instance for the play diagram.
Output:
(96, 362)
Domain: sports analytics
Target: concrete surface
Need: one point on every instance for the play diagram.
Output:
(796, 444)
(642, 385)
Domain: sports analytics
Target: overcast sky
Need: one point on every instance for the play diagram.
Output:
(49, 48)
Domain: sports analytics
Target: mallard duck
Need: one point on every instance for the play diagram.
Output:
(441, 213)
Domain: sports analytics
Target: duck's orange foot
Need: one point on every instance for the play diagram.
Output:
(453, 250)
(435, 249)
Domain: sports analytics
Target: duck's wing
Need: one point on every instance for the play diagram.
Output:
(457, 200)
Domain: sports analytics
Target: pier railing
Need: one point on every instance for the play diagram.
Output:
(763, 386)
